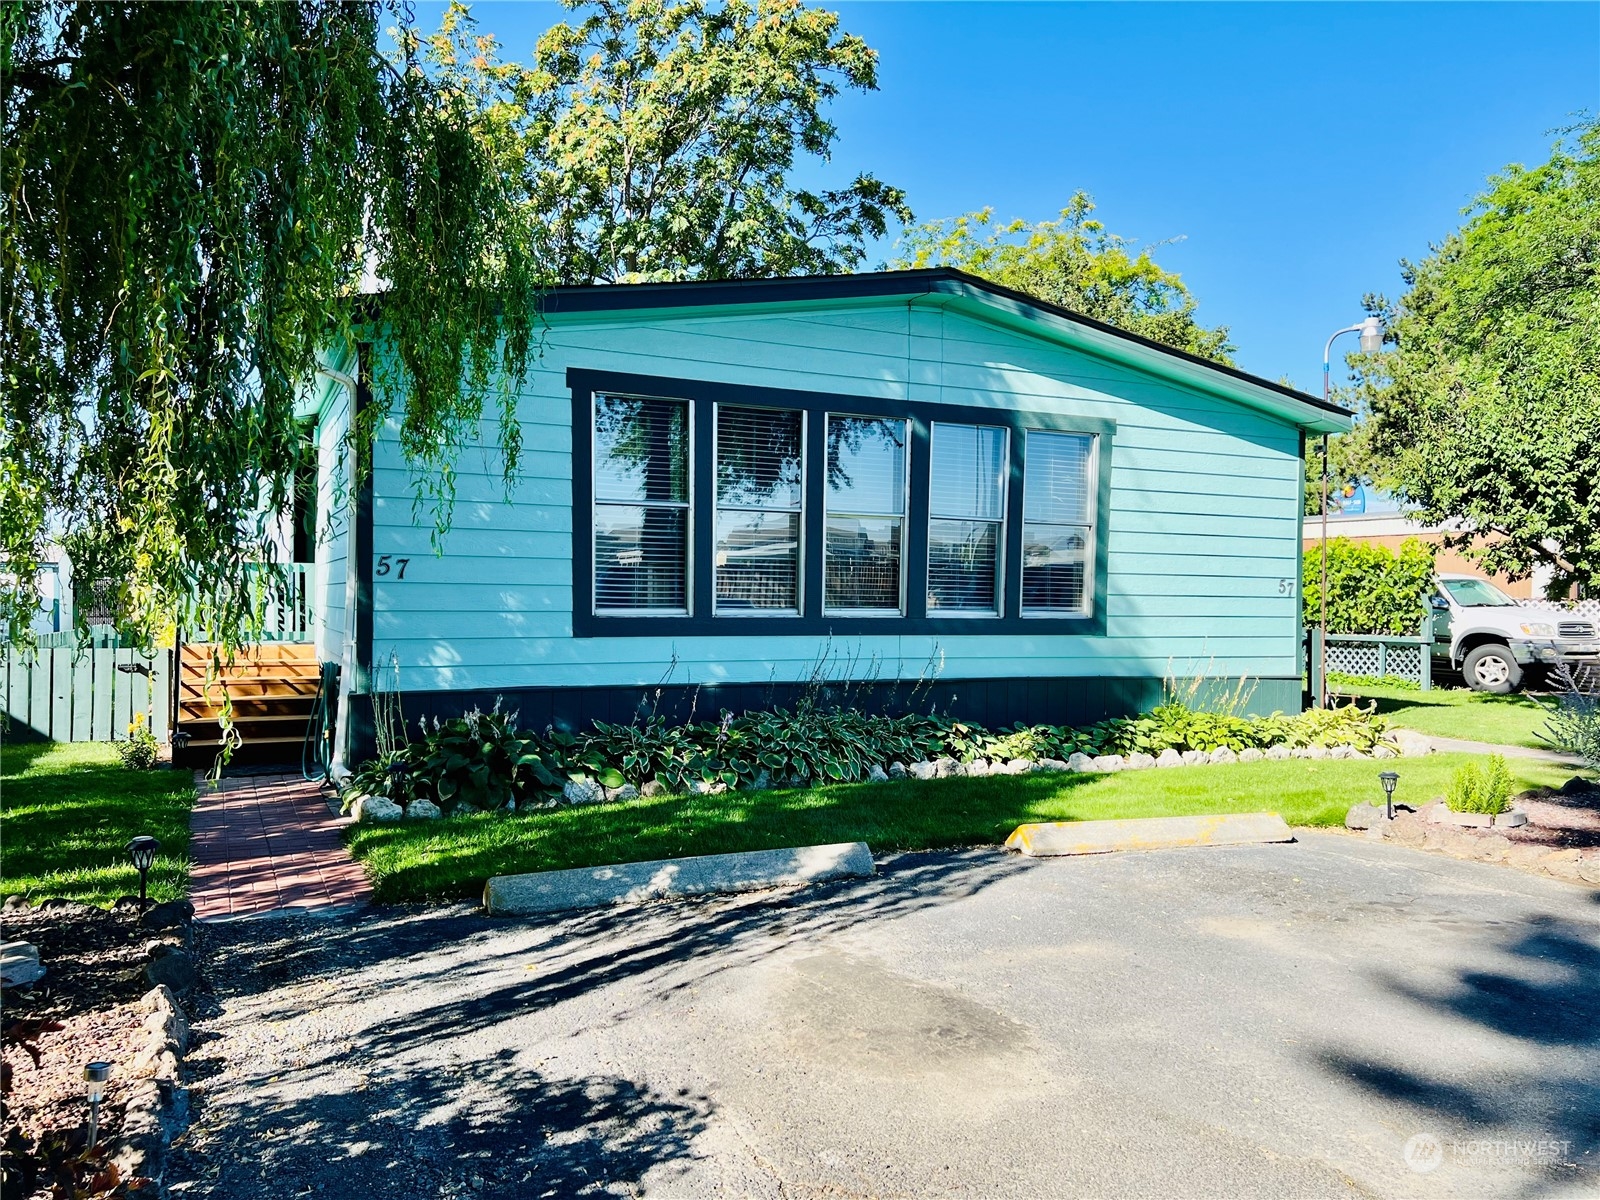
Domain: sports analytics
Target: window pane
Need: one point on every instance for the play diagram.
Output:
(640, 557)
(866, 465)
(967, 466)
(863, 563)
(1054, 567)
(641, 449)
(963, 561)
(1056, 479)
(758, 458)
(758, 561)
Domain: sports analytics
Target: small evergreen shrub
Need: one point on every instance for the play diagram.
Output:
(1481, 790)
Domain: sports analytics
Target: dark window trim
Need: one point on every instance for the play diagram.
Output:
(584, 383)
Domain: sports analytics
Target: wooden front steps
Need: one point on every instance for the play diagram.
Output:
(272, 688)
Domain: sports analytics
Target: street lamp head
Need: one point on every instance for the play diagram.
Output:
(1371, 335)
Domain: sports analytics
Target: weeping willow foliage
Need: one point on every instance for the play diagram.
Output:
(193, 195)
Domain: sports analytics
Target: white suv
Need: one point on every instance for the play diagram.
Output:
(1494, 641)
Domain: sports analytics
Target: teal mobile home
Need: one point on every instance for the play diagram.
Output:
(916, 479)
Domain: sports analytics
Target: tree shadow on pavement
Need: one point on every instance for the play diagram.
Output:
(497, 1129)
(1544, 993)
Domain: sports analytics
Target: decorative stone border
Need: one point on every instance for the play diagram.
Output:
(1442, 814)
(1416, 831)
(1401, 743)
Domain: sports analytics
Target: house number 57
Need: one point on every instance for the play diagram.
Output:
(1285, 587)
(388, 563)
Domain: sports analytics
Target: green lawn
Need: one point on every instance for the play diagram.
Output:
(1514, 720)
(452, 858)
(68, 813)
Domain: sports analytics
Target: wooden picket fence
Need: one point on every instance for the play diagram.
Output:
(85, 693)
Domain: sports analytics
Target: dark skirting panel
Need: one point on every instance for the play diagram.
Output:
(994, 703)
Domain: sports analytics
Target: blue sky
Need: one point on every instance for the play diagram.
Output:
(1299, 150)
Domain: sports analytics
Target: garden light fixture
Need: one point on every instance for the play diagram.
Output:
(143, 852)
(1389, 779)
(95, 1075)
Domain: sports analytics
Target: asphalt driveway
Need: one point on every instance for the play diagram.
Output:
(1330, 1018)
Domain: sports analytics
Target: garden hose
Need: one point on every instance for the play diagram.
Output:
(316, 749)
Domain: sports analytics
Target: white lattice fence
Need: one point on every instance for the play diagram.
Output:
(1583, 608)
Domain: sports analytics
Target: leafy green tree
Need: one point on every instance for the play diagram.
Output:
(655, 139)
(1370, 588)
(192, 192)
(1488, 410)
(1073, 262)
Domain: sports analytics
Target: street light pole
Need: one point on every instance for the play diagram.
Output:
(1371, 331)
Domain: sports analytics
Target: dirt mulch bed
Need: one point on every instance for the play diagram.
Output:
(94, 960)
(1559, 821)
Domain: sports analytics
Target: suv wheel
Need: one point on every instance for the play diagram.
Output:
(1491, 668)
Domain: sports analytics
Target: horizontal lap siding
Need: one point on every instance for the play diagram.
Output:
(333, 535)
(1203, 525)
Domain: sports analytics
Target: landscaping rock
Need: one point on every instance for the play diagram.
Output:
(1341, 752)
(1316, 752)
(1079, 762)
(69, 910)
(169, 915)
(1366, 816)
(623, 794)
(1169, 758)
(368, 809)
(1382, 751)
(1050, 764)
(1279, 752)
(423, 810)
(1563, 864)
(1589, 867)
(1252, 754)
(1576, 786)
(1410, 743)
(944, 767)
(897, 770)
(19, 965)
(1141, 762)
(582, 791)
(14, 902)
(976, 769)
(876, 774)
(923, 770)
(653, 787)
(1223, 754)
(1408, 829)
(1493, 848)
(175, 970)
(1193, 758)
(1107, 762)
(701, 787)
(163, 1008)
(762, 781)
(1019, 766)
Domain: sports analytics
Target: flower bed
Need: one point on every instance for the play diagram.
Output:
(481, 761)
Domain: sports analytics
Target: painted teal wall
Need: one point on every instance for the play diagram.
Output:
(1203, 527)
(333, 522)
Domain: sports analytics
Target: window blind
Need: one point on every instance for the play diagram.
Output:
(760, 493)
(641, 505)
(1057, 515)
(866, 489)
(966, 503)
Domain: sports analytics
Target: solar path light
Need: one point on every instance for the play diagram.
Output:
(1389, 779)
(95, 1075)
(143, 852)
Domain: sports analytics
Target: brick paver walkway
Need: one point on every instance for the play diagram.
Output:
(261, 843)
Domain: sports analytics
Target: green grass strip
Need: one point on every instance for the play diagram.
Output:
(68, 811)
(452, 858)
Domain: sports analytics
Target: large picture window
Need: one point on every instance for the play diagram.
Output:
(966, 518)
(717, 510)
(866, 490)
(641, 506)
(760, 501)
(1057, 524)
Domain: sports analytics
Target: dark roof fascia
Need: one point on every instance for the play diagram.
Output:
(597, 298)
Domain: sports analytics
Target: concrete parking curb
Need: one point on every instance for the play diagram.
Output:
(1147, 833)
(631, 883)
